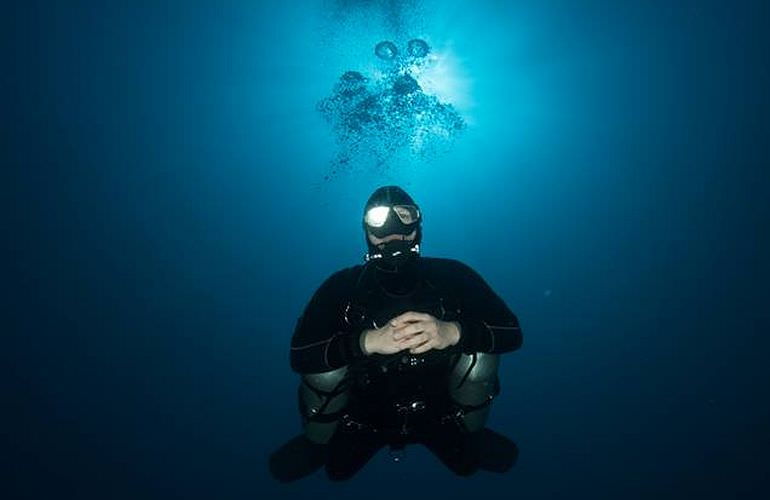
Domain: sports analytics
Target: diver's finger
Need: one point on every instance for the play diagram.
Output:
(414, 340)
(407, 330)
(424, 347)
(414, 326)
(408, 317)
(400, 319)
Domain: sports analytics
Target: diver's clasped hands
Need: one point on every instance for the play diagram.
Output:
(415, 331)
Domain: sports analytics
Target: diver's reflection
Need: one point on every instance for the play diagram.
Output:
(355, 443)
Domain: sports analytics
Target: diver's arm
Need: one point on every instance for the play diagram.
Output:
(486, 322)
(321, 341)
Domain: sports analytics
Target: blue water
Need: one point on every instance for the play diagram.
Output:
(171, 207)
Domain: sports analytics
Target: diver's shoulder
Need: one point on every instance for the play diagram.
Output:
(443, 264)
(343, 277)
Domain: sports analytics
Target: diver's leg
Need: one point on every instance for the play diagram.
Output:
(322, 398)
(349, 451)
(458, 450)
(473, 384)
(296, 459)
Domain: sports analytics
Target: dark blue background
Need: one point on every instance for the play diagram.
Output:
(166, 221)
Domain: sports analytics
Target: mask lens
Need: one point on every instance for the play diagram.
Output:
(407, 213)
(376, 216)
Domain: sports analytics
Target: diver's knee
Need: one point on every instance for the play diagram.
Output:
(325, 381)
(322, 398)
(476, 367)
(473, 384)
(485, 368)
(324, 391)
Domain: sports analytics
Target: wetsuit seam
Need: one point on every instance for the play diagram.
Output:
(491, 335)
(312, 344)
(326, 352)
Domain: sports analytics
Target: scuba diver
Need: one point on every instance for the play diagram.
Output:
(402, 349)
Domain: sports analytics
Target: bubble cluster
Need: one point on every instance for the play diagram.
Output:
(418, 48)
(388, 118)
(386, 50)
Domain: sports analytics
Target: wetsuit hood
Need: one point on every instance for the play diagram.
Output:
(395, 213)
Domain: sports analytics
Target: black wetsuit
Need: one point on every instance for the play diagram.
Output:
(327, 335)
(402, 397)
